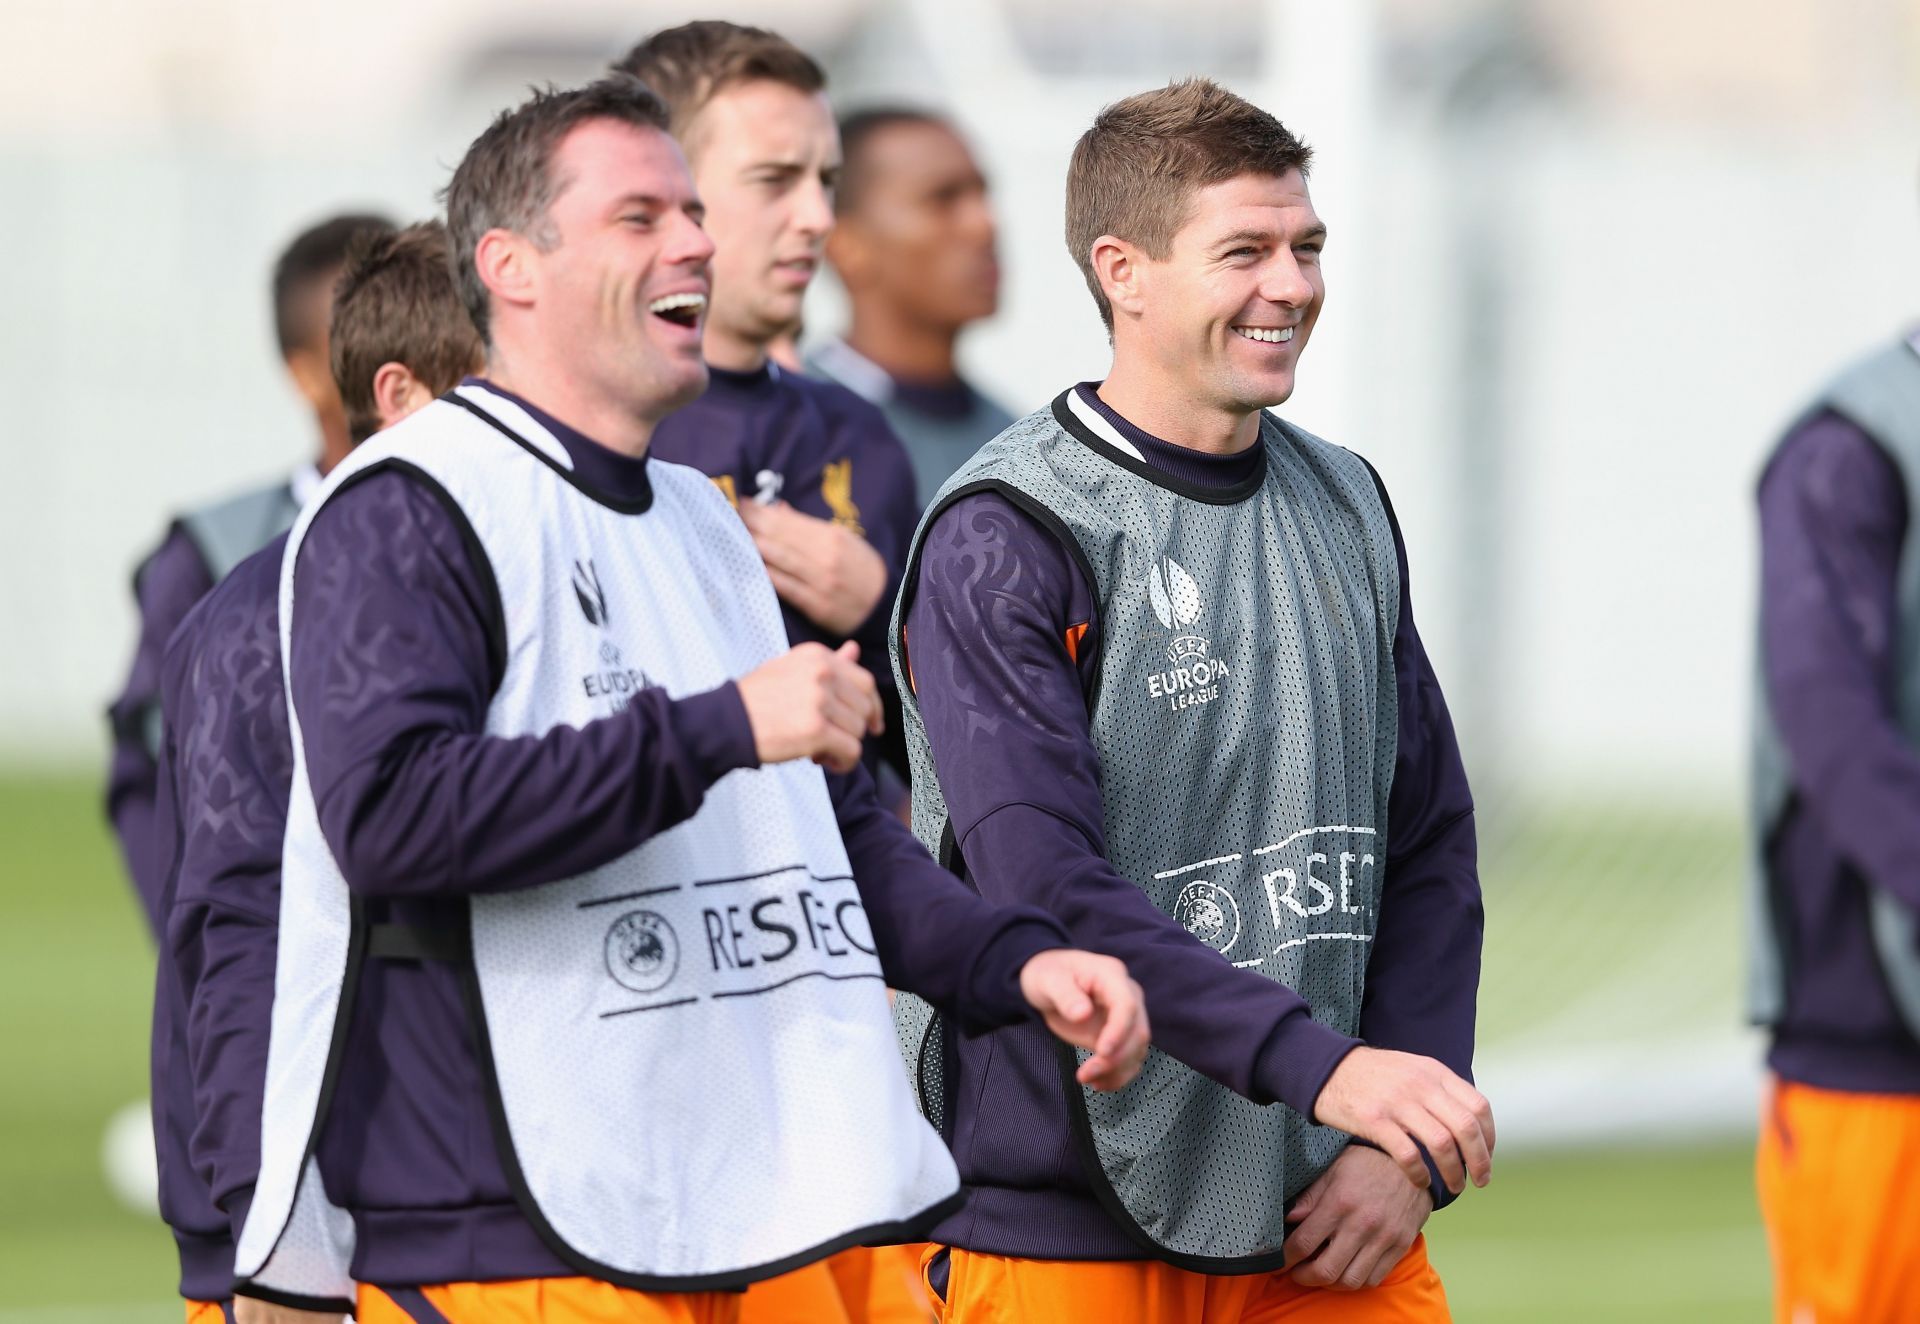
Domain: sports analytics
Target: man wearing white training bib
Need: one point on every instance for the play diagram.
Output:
(580, 1000)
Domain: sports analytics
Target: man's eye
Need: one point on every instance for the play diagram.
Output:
(1243, 252)
(637, 219)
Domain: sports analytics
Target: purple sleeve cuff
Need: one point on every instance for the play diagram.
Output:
(1436, 1187)
(714, 733)
(993, 989)
(1296, 1060)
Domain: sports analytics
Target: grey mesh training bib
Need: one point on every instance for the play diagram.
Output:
(228, 532)
(1880, 395)
(1246, 719)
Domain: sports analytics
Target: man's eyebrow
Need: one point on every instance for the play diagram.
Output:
(651, 200)
(1254, 235)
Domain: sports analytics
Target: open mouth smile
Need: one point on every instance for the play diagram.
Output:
(681, 309)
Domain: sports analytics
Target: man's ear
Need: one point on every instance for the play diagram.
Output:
(1117, 266)
(397, 393)
(503, 260)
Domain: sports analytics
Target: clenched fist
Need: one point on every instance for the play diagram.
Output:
(812, 702)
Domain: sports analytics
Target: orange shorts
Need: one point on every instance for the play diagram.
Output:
(994, 1289)
(865, 1285)
(542, 1301)
(1841, 1200)
(209, 1312)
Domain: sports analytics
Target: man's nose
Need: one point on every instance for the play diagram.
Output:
(1285, 281)
(813, 209)
(690, 245)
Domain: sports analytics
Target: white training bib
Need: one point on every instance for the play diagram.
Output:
(690, 1045)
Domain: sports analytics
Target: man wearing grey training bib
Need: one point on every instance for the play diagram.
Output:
(1163, 681)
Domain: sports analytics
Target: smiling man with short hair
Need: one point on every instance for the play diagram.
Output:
(1163, 681)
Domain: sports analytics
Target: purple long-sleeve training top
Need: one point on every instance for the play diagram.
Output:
(1833, 520)
(226, 770)
(1004, 695)
(827, 453)
(391, 676)
(165, 587)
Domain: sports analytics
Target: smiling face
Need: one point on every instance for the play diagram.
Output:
(1223, 318)
(619, 275)
(766, 157)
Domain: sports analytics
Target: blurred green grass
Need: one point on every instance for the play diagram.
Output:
(76, 982)
(1651, 1235)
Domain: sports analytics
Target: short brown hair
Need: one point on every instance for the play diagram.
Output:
(396, 304)
(506, 180)
(692, 63)
(1134, 173)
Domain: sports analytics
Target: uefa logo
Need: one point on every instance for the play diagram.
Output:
(643, 953)
(1209, 912)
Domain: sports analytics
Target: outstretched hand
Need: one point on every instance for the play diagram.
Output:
(1091, 1002)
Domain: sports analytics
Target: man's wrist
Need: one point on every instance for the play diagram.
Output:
(1438, 1196)
(714, 729)
(1298, 1058)
(994, 987)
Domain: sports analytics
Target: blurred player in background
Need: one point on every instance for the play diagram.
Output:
(399, 337)
(1165, 684)
(559, 1062)
(819, 478)
(824, 486)
(914, 244)
(203, 545)
(1836, 845)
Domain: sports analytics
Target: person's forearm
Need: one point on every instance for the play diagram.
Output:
(168, 584)
(1856, 774)
(445, 813)
(1423, 977)
(1832, 528)
(227, 957)
(1423, 973)
(130, 808)
(935, 936)
(1251, 1034)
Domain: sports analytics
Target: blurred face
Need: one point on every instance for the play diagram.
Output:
(766, 157)
(923, 238)
(620, 294)
(1226, 315)
(309, 364)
